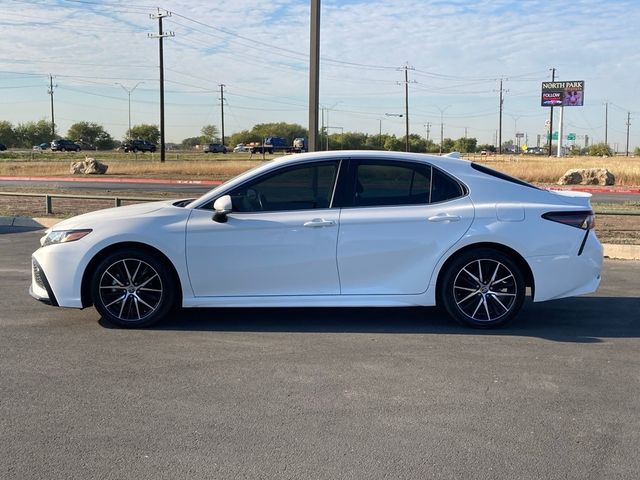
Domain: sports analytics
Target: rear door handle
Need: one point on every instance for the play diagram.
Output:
(318, 223)
(444, 217)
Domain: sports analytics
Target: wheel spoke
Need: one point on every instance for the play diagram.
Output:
(122, 307)
(503, 294)
(486, 308)
(158, 290)
(472, 294)
(124, 262)
(136, 272)
(115, 279)
(473, 315)
(119, 299)
(145, 303)
(495, 273)
(480, 271)
(113, 287)
(471, 275)
(502, 279)
(496, 299)
(135, 302)
(147, 280)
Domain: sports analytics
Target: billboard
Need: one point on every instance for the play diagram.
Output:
(563, 94)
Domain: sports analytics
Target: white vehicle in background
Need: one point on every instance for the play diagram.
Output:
(330, 229)
(240, 148)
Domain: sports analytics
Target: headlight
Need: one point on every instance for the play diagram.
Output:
(63, 236)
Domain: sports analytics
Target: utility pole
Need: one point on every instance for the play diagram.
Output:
(553, 78)
(50, 92)
(160, 36)
(406, 69)
(314, 74)
(606, 122)
(442, 126)
(222, 85)
(628, 125)
(129, 91)
(465, 132)
(500, 123)
(428, 126)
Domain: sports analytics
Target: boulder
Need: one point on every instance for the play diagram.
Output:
(587, 176)
(90, 166)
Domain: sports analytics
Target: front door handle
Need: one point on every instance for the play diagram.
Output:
(444, 217)
(318, 223)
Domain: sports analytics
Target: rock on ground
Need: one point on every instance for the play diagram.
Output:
(587, 176)
(90, 166)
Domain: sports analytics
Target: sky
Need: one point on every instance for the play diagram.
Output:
(456, 52)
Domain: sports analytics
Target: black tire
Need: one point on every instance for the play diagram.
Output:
(132, 288)
(135, 150)
(483, 288)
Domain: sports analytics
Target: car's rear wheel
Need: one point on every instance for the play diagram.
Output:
(483, 288)
(133, 288)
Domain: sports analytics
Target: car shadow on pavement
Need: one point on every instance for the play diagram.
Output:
(581, 320)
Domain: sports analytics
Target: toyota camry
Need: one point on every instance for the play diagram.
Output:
(330, 229)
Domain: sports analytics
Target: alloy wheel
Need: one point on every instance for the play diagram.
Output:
(131, 290)
(485, 290)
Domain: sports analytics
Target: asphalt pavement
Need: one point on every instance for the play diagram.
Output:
(319, 393)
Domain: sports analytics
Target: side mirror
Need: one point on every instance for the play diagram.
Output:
(222, 207)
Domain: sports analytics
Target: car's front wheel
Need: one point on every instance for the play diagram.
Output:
(133, 288)
(483, 288)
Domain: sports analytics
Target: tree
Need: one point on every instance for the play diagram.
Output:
(90, 133)
(150, 133)
(486, 147)
(636, 152)
(465, 145)
(209, 134)
(191, 142)
(448, 145)
(280, 129)
(32, 133)
(7, 134)
(600, 150)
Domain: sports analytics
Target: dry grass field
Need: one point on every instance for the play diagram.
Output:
(195, 165)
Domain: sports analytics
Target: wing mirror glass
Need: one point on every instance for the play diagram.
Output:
(222, 207)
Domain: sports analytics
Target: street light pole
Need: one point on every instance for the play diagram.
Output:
(129, 90)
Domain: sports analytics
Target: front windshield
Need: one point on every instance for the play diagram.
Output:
(232, 181)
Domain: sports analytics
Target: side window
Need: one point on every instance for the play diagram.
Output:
(297, 188)
(444, 187)
(378, 184)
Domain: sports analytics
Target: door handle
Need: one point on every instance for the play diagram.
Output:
(444, 217)
(319, 222)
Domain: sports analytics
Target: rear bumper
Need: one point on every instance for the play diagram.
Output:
(560, 276)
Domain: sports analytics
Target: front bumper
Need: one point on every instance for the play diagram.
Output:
(40, 288)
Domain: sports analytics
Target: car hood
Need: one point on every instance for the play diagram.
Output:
(89, 220)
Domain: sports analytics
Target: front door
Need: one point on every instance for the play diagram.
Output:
(280, 238)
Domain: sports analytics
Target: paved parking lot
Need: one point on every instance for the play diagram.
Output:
(319, 393)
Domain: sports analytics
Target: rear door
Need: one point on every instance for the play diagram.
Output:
(398, 220)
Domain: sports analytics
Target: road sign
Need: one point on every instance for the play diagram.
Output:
(571, 136)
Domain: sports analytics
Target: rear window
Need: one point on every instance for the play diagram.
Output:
(501, 176)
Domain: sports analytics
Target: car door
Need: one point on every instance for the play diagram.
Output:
(280, 238)
(399, 219)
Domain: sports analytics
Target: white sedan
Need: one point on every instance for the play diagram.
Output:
(331, 229)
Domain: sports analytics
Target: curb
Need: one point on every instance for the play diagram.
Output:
(611, 250)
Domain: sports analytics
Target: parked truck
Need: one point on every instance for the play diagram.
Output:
(278, 144)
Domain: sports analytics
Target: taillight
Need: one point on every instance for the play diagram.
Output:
(584, 219)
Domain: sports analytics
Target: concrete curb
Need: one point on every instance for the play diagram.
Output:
(622, 252)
